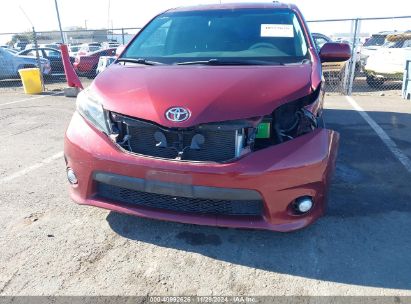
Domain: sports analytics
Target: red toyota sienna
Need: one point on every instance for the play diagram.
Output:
(211, 115)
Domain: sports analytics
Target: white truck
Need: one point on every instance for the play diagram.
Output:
(388, 62)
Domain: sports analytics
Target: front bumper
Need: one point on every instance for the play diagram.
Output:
(384, 73)
(279, 175)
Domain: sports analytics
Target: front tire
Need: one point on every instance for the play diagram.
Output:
(374, 82)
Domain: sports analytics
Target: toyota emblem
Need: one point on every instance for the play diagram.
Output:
(177, 114)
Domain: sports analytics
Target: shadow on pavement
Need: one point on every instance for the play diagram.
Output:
(365, 238)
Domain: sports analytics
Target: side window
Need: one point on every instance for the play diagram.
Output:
(52, 53)
(33, 53)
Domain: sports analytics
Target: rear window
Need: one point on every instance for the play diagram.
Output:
(259, 34)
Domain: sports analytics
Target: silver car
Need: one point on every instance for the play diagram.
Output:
(11, 63)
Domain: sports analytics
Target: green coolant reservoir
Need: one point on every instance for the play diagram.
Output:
(263, 130)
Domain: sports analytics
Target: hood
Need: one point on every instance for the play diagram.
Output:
(210, 93)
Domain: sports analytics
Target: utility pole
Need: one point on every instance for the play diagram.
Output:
(85, 24)
(58, 18)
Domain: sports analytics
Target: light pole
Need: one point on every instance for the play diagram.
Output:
(58, 18)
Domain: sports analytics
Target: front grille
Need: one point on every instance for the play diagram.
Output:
(179, 204)
(218, 146)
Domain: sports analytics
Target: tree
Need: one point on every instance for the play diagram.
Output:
(26, 36)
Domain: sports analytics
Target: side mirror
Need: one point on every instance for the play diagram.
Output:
(120, 50)
(335, 52)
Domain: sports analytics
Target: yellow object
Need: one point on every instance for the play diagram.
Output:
(31, 80)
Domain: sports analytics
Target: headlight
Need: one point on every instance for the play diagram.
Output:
(91, 109)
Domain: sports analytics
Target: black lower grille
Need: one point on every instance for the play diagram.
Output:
(218, 146)
(179, 204)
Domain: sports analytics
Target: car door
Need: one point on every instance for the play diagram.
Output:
(6, 64)
(56, 62)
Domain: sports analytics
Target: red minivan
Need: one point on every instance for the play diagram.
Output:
(211, 115)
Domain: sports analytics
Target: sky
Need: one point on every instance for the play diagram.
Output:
(133, 13)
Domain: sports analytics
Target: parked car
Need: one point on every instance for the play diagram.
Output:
(87, 48)
(371, 45)
(53, 55)
(73, 50)
(11, 63)
(104, 62)
(43, 45)
(109, 44)
(6, 48)
(216, 120)
(388, 62)
(87, 65)
(20, 45)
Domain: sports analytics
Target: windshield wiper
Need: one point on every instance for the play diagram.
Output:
(229, 62)
(138, 61)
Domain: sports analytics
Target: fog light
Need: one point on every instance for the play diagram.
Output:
(304, 204)
(71, 176)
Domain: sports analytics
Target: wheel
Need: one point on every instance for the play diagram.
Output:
(374, 82)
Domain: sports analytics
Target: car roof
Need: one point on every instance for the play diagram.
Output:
(101, 50)
(233, 6)
(385, 33)
(41, 48)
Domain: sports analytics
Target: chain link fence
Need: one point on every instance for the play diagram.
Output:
(91, 51)
(380, 48)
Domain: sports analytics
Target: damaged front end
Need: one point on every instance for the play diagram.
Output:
(267, 172)
(217, 141)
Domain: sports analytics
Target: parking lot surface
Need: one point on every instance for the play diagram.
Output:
(51, 246)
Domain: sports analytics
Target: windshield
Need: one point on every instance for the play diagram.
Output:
(244, 34)
(375, 41)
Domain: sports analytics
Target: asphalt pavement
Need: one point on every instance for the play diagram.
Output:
(51, 246)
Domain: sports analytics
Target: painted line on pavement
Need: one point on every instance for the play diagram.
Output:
(405, 161)
(28, 99)
(31, 168)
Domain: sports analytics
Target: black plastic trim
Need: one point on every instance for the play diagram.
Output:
(174, 189)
